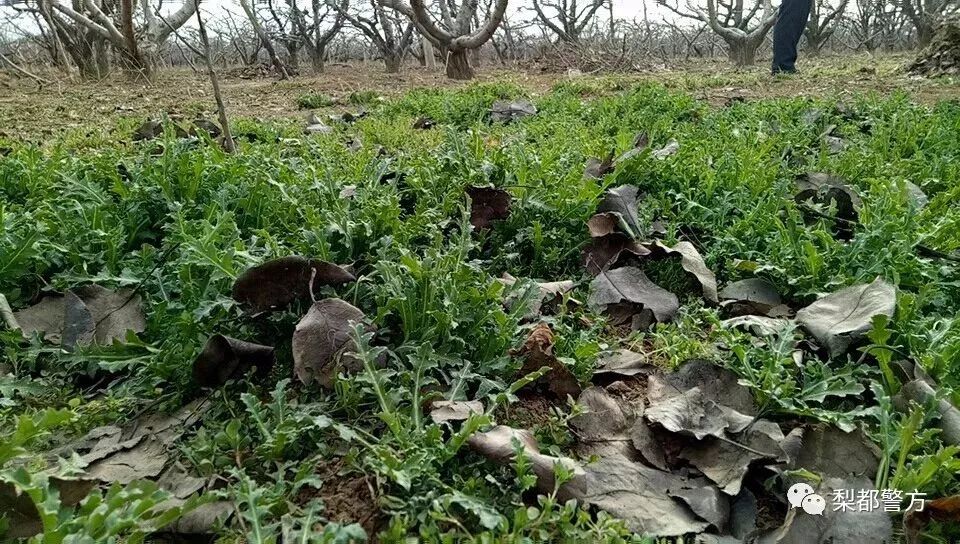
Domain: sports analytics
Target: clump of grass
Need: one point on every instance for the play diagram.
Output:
(312, 101)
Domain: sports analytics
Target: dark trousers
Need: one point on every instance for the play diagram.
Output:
(787, 33)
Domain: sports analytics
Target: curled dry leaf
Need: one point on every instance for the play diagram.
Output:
(444, 411)
(844, 317)
(604, 426)
(505, 111)
(692, 262)
(488, 204)
(605, 252)
(596, 169)
(825, 190)
(278, 282)
(499, 445)
(622, 202)
(944, 510)
(316, 126)
(752, 296)
(630, 284)
(537, 352)
(668, 150)
(691, 414)
(603, 224)
(89, 313)
(548, 292)
(923, 393)
(323, 341)
(223, 358)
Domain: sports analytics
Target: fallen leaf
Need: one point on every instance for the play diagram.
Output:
(623, 362)
(844, 317)
(922, 393)
(690, 414)
(323, 340)
(829, 451)
(944, 510)
(20, 512)
(499, 445)
(692, 262)
(487, 205)
(223, 358)
(604, 252)
(596, 169)
(506, 111)
(537, 352)
(641, 496)
(278, 282)
(752, 296)
(715, 383)
(113, 313)
(668, 150)
(630, 284)
(445, 411)
(622, 202)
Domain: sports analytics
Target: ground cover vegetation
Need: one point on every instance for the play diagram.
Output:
(608, 313)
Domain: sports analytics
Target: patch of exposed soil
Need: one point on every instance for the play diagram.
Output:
(348, 497)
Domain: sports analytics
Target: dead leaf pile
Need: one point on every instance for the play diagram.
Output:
(141, 450)
(618, 259)
(691, 455)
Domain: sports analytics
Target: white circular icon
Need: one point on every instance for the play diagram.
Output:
(814, 504)
(797, 492)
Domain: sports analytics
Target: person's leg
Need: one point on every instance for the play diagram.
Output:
(787, 33)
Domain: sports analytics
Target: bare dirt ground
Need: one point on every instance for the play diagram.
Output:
(32, 113)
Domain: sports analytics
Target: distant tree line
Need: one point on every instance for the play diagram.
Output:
(91, 38)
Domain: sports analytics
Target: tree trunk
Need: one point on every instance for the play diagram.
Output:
(316, 59)
(429, 59)
(392, 61)
(458, 65)
(743, 52)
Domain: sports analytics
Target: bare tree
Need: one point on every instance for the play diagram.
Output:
(743, 27)
(99, 24)
(924, 15)
(384, 29)
(566, 18)
(824, 21)
(264, 38)
(318, 27)
(454, 34)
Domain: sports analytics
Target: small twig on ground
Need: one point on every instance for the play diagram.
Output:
(39, 80)
(7, 314)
